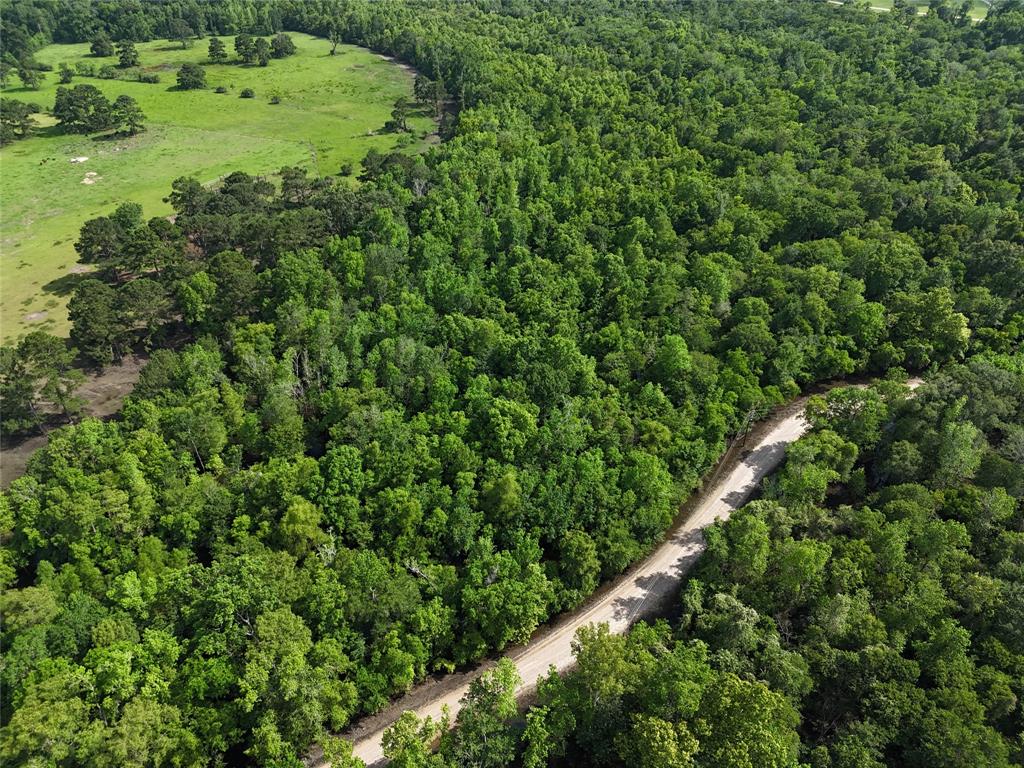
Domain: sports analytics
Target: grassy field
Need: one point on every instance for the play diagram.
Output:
(978, 7)
(331, 111)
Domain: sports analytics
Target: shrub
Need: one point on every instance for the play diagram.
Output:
(220, 89)
(107, 72)
(149, 77)
(275, 99)
(248, 93)
(85, 69)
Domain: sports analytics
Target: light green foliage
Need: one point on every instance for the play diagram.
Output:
(483, 736)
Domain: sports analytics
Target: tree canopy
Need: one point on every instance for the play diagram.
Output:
(407, 420)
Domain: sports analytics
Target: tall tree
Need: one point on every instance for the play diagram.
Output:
(282, 46)
(101, 46)
(126, 114)
(245, 48)
(217, 52)
(178, 29)
(127, 54)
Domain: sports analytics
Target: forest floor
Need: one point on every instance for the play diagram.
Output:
(646, 590)
(103, 392)
(331, 111)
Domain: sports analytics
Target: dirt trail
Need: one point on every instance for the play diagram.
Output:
(640, 593)
(103, 392)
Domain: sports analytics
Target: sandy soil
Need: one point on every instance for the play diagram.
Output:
(104, 392)
(642, 592)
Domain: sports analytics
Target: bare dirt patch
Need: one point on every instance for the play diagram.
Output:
(407, 67)
(91, 178)
(104, 392)
(35, 317)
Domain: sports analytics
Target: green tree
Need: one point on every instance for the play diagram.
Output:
(191, 77)
(400, 114)
(178, 29)
(101, 46)
(127, 55)
(217, 53)
(38, 381)
(16, 120)
(30, 76)
(126, 115)
(144, 307)
(655, 743)
(95, 329)
(82, 109)
(744, 724)
(245, 48)
(282, 46)
(408, 743)
(483, 736)
(261, 51)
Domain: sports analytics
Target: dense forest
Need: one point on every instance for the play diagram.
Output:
(408, 417)
(868, 610)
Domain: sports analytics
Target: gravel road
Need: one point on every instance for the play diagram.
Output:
(639, 593)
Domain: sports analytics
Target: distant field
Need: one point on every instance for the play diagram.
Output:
(330, 108)
(978, 7)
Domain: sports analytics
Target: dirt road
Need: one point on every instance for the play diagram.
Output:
(640, 593)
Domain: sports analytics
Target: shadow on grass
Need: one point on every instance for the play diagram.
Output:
(115, 135)
(49, 131)
(65, 285)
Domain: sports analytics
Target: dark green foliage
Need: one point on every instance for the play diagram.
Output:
(261, 51)
(37, 382)
(885, 604)
(191, 76)
(127, 55)
(245, 48)
(30, 76)
(179, 29)
(217, 52)
(16, 120)
(93, 314)
(126, 115)
(101, 46)
(82, 109)
(281, 46)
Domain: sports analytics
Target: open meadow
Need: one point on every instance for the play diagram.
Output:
(331, 111)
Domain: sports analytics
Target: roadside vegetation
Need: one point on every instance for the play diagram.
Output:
(866, 611)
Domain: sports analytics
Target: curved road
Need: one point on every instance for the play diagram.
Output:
(637, 594)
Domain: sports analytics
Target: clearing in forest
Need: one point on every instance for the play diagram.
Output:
(331, 111)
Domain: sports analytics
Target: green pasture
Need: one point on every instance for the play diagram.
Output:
(332, 110)
(978, 7)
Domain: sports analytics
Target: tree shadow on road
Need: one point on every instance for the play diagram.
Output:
(661, 589)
